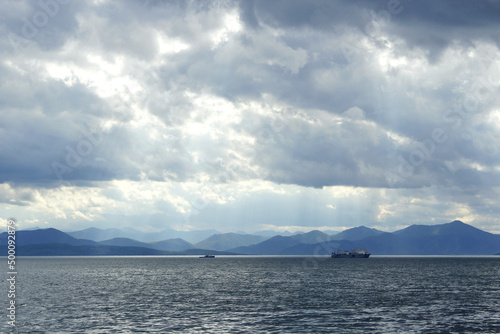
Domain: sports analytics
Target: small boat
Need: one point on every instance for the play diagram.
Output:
(207, 257)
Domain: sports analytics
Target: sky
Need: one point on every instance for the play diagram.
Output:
(249, 115)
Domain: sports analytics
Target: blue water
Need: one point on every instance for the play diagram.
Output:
(257, 295)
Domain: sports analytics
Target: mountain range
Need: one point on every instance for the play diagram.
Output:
(455, 238)
(97, 234)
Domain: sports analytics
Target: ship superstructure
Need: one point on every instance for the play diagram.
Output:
(358, 254)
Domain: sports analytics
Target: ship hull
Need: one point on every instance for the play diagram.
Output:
(350, 256)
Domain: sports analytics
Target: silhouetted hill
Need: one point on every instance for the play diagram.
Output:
(190, 236)
(54, 242)
(323, 248)
(60, 249)
(312, 237)
(455, 227)
(97, 234)
(48, 235)
(271, 233)
(125, 242)
(356, 233)
(455, 238)
(176, 244)
(270, 246)
(229, 240)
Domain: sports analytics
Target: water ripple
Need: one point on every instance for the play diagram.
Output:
(257, 295)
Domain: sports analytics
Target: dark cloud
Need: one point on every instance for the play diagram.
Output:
(48, 25)
(381, 95)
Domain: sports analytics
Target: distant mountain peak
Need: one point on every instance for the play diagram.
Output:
(45, 235)
(458, 222)
(311, 237)
(357, 233)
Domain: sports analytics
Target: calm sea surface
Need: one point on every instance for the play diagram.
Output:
(256, 295)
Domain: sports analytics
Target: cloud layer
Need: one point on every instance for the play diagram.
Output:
(226, 114)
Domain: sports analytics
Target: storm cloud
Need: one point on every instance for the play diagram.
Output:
(376, 113)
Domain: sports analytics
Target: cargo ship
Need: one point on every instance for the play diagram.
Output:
(361, 254)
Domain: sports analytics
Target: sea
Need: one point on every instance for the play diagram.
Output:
(264, 294)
